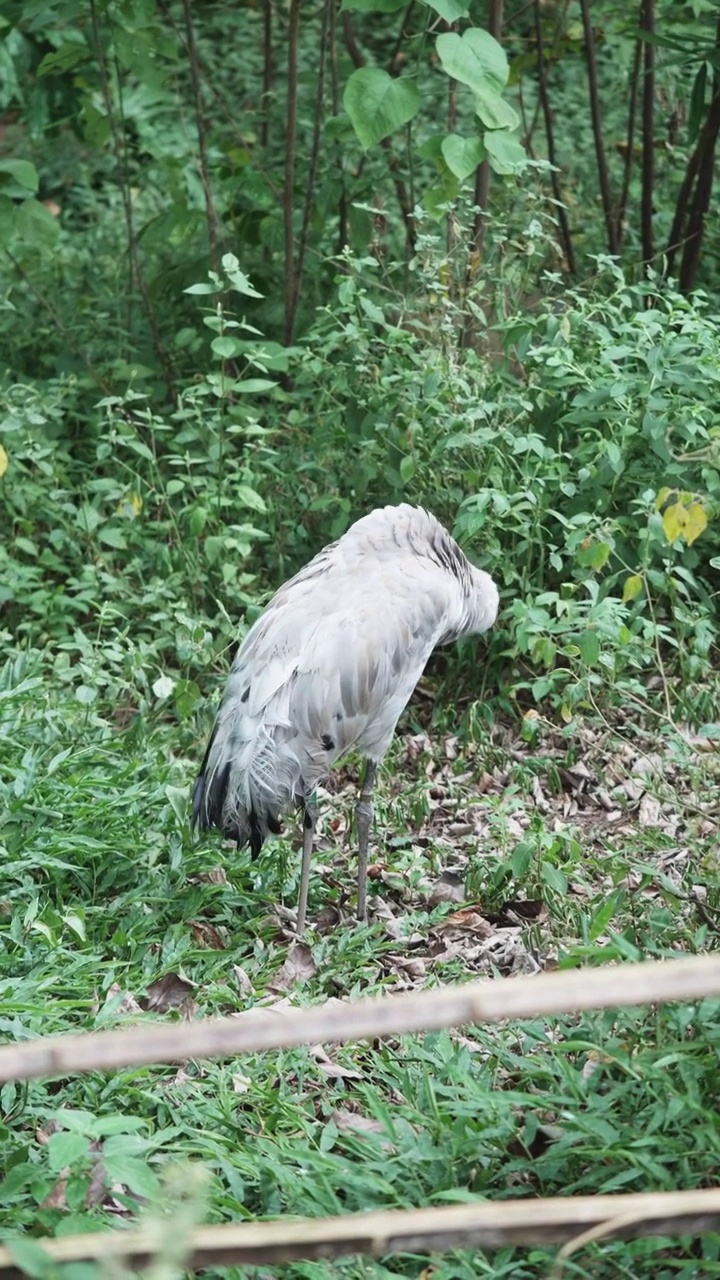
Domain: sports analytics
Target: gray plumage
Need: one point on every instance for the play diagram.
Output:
(329, 666)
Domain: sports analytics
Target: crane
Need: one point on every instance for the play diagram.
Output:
(329, 666)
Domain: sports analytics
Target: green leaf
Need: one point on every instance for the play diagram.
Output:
(111, 537)
(36, 225)
(441, 194)
(377, 104)
(187, 696)
(96, 125)
(408, 467)
(251, 386)
(135, 1174)
(66, 1148)
(589, 647)
(249, 497)
(495, 112)
(449, 10)
(462, 155)
(504, 152)
(18, 177)
(7, 218)
(226, 347)
(475, 58)
(63, 59)
(31, 1258)
(237, 278)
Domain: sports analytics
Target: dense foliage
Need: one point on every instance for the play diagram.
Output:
(262, 269)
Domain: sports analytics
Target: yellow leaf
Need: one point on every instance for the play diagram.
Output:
(633, 587)
(662, 498)
(674, 521)
(566, 713)
(130, 507)
(3, 461)
(696, 522)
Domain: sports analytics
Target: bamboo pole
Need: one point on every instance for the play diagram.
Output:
(543, 995)
(483, 1225)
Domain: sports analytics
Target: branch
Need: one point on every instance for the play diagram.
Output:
(603, 175)
(482, 1225)
(562, 991)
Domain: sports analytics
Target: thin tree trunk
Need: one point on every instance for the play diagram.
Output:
(482, 173)
(335, 97)
(289, 187)
(603, 174)
(698, 175)
(313, 165)
(647, 23)
(401, 190)
(549, 134)
(137, 279)
(195, 78)
(268, 69)
(630, 143)
(700, 202)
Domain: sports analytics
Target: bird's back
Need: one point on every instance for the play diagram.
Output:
(331, 663)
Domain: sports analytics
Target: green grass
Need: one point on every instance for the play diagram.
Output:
(104, 892)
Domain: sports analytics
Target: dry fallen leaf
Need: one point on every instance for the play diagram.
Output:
(241, 1083)
(245, 986)
(207, 935)
(449, 888)
(330, 1068)
(298, 967)
(169, 992)
(353, 1122)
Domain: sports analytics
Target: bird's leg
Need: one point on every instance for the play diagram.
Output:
(364, 817)
(308, 840)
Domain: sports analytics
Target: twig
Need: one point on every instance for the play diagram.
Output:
(481, 1225)
(596, 115)
(258, 1029)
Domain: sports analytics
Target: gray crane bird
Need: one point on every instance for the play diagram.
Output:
(329, 666)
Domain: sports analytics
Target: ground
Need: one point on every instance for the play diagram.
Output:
(501, 847)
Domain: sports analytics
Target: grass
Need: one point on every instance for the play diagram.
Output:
(104, 892)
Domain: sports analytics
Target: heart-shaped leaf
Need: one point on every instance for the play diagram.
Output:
(475, 59)
(377, 104)
(462, 155)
